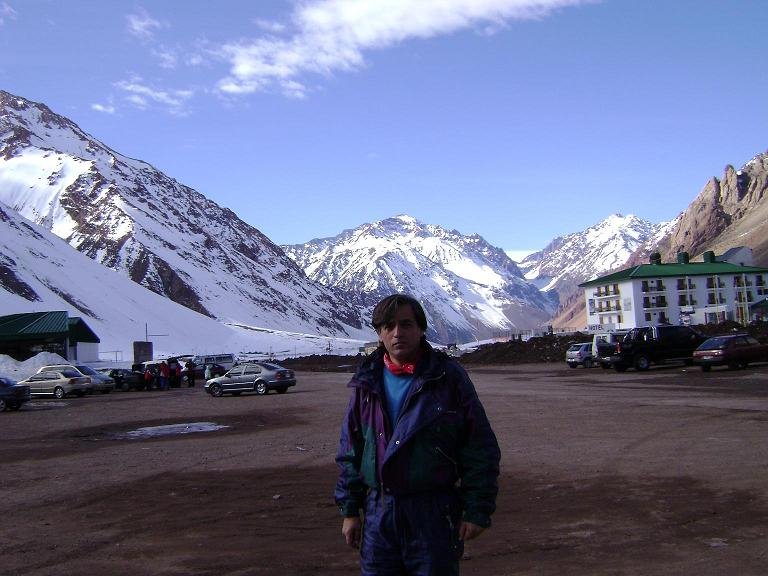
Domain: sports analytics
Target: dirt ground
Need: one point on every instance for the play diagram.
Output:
(663, 472)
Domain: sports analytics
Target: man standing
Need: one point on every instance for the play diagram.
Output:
(165, 373)
(417, 455)
(190, 366)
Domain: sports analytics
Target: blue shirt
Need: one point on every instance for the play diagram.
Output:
(396, 389)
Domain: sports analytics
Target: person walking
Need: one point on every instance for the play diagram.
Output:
(417, 456)
(165, 373)
(190, 366)
(208, 372)
(148, 378)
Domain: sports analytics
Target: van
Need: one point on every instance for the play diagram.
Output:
(225, 360)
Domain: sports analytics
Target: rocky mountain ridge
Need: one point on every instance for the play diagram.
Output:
(169, 238)
(569, 260)
(729, 211)
(470, 289)
(155, 231)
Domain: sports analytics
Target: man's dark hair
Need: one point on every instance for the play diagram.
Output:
(386, 309)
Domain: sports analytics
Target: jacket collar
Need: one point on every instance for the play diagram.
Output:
(369, 374)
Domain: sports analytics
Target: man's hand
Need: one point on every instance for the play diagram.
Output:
(468, 531)
(352, 530)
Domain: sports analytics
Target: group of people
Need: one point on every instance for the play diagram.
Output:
(169, 375)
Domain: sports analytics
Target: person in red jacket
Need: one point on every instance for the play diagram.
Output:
(165, 373)
(148, 378)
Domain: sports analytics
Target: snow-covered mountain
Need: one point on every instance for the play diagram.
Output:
(469, 289)
(165, 236)
(40, 272)
(569, 260)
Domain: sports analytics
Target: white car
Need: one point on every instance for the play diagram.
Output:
(580, 354)
(99, 382)
(58, 383)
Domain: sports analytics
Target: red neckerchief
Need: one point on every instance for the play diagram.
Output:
(407, 368)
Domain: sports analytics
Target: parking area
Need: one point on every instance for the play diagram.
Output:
(657, 472)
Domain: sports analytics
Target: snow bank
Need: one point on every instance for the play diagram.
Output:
(15, 370)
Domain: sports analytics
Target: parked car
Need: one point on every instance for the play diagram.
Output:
(580, 355)
(12, 394)
(259, 377)
(99, 382)
(225, 360)
(58, 383)
(199, 369)
(604, 346)
(733, 350)
(124, 379)
(643, 346)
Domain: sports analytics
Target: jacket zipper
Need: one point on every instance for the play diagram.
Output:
(451, 460)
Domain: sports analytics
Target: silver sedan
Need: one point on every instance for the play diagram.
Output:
(259, 377)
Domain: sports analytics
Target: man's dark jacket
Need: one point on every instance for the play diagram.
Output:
(441, 439)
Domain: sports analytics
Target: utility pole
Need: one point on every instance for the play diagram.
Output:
(147, 334)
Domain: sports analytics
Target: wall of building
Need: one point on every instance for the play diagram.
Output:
(84, 352)
(736, 293)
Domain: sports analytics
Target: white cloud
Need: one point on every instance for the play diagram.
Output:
(270, 26)
(334, 35)
(167, 57)
(105, 108)
(142, 25)
(195, 60)
(294, 89)
(6, 13)
(138, 101)
(141, 95)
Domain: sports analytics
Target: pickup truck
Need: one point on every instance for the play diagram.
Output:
(643, 346)
(604, 346)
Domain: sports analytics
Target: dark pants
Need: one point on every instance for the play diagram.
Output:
(413, 535)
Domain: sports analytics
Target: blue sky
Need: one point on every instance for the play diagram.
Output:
(519, 120)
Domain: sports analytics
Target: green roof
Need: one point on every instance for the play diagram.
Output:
(673, 270)
(36, 325)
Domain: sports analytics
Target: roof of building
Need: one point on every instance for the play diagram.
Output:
(673, 270)
(36, 325)
(79, 331)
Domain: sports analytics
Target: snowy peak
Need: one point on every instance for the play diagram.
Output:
(153, 230)
(39, 271)
(470, 289)
(577, 257)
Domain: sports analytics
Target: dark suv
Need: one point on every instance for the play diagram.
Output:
(654, 344)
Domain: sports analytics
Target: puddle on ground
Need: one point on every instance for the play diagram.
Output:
(44, 405)
(167, 430)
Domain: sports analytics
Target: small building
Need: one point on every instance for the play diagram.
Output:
(25, 335)
(682, 292)
(369, 347)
